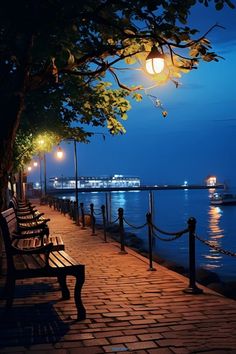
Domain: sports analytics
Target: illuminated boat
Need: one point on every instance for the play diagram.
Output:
(223, 199)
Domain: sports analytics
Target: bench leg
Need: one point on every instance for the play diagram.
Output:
(9, 291)
(64, 289)
(78, 301)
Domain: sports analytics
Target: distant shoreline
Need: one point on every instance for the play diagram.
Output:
(140, 188)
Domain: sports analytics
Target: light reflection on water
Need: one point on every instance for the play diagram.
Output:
(172, 210)
(216, 233)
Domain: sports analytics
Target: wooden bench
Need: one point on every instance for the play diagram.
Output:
(26, 212)
(30, 234)
(39, 262)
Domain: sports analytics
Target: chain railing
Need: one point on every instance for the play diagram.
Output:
(66, 207)
(217, 248)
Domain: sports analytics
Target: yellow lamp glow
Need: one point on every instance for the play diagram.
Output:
(29, 168)
(155, 61)
(60, 153)
(41, 142)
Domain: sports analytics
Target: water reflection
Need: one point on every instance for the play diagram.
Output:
(215, 233)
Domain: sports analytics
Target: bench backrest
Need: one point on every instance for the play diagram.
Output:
(13, 203)
(8, 224)
(8, 221)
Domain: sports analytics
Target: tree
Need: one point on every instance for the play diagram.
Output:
(51, 49)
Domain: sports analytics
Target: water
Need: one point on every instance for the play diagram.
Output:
(172, 209)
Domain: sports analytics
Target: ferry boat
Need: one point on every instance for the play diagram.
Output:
(223, 199)
(94, 182)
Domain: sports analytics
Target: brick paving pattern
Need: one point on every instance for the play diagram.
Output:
(129, 309)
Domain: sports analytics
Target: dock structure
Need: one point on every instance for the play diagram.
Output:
(129, 309)
(139, 188)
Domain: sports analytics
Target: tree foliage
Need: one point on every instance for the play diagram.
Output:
(55, 56)
(27, 144)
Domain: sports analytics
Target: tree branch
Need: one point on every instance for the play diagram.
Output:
(122, 85)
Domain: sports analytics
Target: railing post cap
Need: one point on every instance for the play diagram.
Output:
(192, 220)
(192, 224)
(120, 211)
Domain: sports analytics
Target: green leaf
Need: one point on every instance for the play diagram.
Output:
(219, 6)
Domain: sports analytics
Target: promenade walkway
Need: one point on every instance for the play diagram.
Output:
(129, 309)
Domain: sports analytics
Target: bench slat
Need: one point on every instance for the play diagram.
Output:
(33, 261)
(68, 257)
(55, 261)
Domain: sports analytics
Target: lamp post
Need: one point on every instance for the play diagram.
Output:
(42, 180)
(76, 175)
(40, 174)
(60, 156)
(45, 174)
(23, 178)
(42, 156)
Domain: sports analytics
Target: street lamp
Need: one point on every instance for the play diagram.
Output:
(155, 61)
(59, 153)
(41, 144)
(45, 174)
(76, 176)
(24, 176)
(60, 156)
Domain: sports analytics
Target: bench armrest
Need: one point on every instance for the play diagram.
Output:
(37, 250)
(36, 233)
(29, 217)
(33, 225)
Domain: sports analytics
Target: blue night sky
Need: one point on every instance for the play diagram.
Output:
(196, 139)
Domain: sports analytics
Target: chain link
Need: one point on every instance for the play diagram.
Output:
(220, 250)
(86, 211)
(168, 239)
(113, 222)
(170, 233)
(133, 226)
(97, 212)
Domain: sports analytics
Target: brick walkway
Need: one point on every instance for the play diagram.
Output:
(129, 309)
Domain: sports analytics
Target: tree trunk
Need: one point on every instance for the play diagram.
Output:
(13, 90)
(11, 111)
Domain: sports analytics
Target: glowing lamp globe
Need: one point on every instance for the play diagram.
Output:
(59, 153)
(155, 61)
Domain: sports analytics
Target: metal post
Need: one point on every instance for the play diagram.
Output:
(74, 212)
(76, 184)
(20, 184)
(45, 174)
(149, 222)
(92, 218)
(151, 202)
(106, 201)
(109, 193)
(40, 174)
(192, 288)
(121, 230)
(82, 215)
(104, 222)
